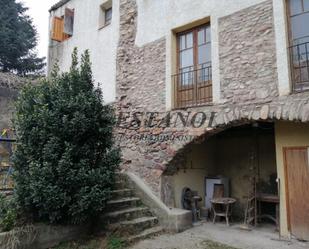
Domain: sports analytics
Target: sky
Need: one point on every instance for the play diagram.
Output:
(38, 10)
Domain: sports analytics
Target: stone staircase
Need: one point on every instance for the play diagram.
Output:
(129, 218)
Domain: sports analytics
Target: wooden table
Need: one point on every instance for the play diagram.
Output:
(268, 198)
(225, 210)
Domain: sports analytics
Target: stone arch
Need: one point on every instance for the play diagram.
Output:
(178, 156)
(285, 109)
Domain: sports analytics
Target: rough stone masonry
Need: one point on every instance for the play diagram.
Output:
(9, 85)
(247, 53)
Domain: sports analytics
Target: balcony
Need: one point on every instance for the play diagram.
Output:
(193, 86)
(299, 60)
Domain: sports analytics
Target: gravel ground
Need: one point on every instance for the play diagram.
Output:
(203, 235)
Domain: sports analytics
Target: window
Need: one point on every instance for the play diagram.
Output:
(108, 16)
(68, 22)
(298, 15)
(192, 83)
(106, 13)
(299, 18)
(63, 26)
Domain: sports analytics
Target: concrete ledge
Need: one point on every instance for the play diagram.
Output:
(172, 219)
(39, 236)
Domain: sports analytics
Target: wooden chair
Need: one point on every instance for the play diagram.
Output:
(218, 191)
(221, 206)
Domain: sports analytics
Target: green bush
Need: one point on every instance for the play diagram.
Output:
(65, 159)
(115, 243)
(8, 213)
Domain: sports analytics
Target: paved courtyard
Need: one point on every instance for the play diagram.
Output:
(200, 237)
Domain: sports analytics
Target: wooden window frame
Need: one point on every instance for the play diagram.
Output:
(104, 8)
(194, 30)
(199, 92)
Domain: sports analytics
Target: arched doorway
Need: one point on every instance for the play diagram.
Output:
(237, 153)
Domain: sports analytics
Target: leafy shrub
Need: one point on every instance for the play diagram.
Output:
(115, 243)
(8, 213)
(65, 159)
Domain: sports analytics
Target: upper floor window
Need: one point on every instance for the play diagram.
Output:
(106, 13)
(192, 83)
(108, 16)
(298, 14)
(63, 26)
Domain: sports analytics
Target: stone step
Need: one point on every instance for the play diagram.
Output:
(148, 233)
(127, 214)
(120, 177)
(122, 193)
(120, 185)
(133, 227)
(121, 203)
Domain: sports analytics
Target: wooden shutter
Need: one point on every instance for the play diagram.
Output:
(58, 25)
(68, 21)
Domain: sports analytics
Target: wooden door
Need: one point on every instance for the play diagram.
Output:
(297, 180)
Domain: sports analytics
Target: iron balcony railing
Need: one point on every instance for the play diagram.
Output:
(192, 86)
(299, 60)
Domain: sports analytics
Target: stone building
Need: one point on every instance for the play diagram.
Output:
(231, 78)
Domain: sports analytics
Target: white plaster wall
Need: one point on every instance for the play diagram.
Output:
(281, 33)
(102, 43)
(157, 18)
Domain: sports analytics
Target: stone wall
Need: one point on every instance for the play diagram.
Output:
(140, 85)
(247, 53)
(6, 110)
(9, 85)
(11, 81)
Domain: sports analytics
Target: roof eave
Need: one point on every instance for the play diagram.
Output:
(58, 5)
